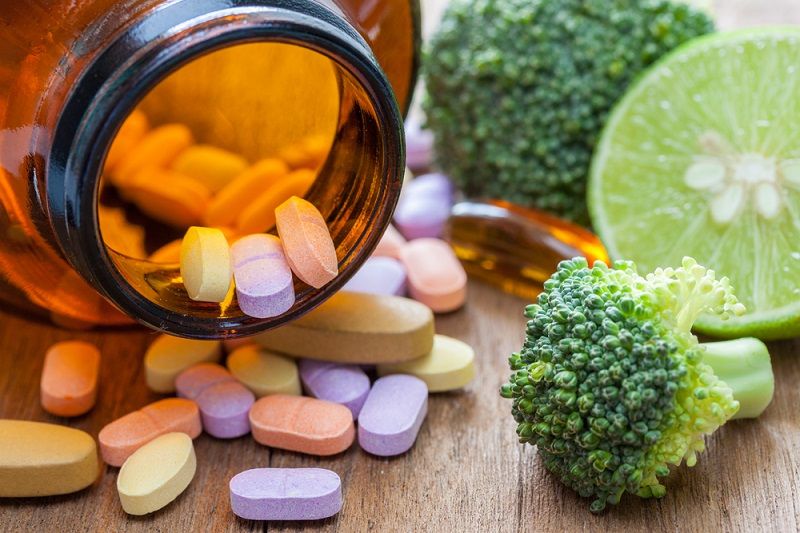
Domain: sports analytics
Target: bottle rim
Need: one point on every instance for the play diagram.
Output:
(126, 70)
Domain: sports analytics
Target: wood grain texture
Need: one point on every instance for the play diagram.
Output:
(466, 472)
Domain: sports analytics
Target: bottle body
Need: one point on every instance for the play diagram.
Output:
(514, 248)
(65, 94)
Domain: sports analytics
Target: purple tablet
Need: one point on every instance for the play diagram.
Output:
(419, 147)
(392, 415)
(344, 384)
(379, 275)
(424, 206)
(224, 403)
(286, 494)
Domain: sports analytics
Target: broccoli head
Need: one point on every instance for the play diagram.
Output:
(519, 90)
(611, 385)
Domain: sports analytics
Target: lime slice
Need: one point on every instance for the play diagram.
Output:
(702, 158)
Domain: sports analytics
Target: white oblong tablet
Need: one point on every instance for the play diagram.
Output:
(156, 473)
(450, 365)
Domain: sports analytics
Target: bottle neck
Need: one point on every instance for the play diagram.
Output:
(356, 189)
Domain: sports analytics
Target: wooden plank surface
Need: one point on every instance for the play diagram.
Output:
(466, 472)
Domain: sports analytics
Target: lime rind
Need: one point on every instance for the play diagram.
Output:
(653, 224)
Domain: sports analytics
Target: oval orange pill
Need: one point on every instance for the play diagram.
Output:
(167, 196)
(238, 194)
(435, 276)
(260, 214)
(69, 378)
(156, 149)
(130, 133)
(119, 439)
(306, 241)
(302, 424)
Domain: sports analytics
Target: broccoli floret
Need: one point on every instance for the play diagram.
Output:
(519, 90)
(611, 385)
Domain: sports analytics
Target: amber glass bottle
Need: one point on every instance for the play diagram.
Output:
(251, 76)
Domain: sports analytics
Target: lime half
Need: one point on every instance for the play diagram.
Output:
(702, 158)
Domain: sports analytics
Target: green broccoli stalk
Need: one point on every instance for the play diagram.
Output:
(518, 91)
(612, 386)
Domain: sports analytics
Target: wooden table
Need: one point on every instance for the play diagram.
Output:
(465, 473)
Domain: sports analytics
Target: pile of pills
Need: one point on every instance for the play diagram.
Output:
(365, 362)
(226, 203)
(260, 266)
(411, 258)
(209, 186)
(358, 368)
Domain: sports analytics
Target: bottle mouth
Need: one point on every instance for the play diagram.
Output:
(356, 187)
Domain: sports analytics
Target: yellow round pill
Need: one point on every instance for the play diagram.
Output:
(206, 264)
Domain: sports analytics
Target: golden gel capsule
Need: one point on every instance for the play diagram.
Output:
(514, 248)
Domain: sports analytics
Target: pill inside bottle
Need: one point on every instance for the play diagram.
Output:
(223, 141)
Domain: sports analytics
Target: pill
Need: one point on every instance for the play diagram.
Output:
(392, 415)
(237, 195)
(179, 204)
(390, 244)
(302, 424)
(232, 344)
(308, 153)
(317, 148)
(169, 253)
(344, 384)
(264, 372)
(224, 403)
(286, 494)
(206, 264)
(263, 279)
(435, 276)
(156, 149)
(131, 132)
(156, 474)
(69, 378)
(119, 234)
(379, 275)
(123, 436)
(211, 166)
(353, 327)
(260, 214)
(38, 459)
(419, 147)
(168, 356)
(424, 207)
(306, 242)
(450, 365)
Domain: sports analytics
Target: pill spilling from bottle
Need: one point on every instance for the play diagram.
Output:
(383, 361)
